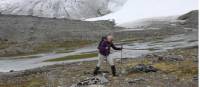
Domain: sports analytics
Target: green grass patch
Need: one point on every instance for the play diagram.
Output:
(66, 45)
(3, 46)
(74, 57)
(181, 69)
(35, 82)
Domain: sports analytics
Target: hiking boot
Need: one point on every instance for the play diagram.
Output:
(113, 70)
(96, 71)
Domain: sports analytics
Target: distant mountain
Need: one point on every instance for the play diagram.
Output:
(73, 9)
(156, 22)
(190, 19)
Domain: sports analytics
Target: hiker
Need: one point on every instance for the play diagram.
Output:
(104, 51)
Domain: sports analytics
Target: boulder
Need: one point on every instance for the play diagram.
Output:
(11, 71)
(142, 68)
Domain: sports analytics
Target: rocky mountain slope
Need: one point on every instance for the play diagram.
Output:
(74, 9)
(189, 20)
(28, 28)
(20, 34)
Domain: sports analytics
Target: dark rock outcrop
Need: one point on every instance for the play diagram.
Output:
(190, 19)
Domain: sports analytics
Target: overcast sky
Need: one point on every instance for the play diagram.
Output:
(137, 9)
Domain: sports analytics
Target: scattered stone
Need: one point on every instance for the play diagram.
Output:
(166, 57)
(171, 58)
(96, 86)
(139, 80)
(80, 63)
(98, 81)
(195, 78)
(87, 73)
(195, 60)
(142, 68)
(150, 56)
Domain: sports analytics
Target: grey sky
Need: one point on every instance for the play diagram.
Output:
(137, 9)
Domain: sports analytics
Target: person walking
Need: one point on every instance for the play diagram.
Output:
(104, 50)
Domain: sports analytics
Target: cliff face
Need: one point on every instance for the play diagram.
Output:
(190, 19)
(73, 9)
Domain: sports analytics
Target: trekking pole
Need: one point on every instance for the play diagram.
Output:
(106, 64)
(121, 67)
(142, 49)
(105, 61)
(121, 53)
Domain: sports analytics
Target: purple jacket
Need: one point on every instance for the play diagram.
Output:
(104, 48)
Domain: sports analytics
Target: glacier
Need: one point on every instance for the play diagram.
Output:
(134, 10)
(72, 9)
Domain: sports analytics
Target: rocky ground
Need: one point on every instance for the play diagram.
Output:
(174, 68)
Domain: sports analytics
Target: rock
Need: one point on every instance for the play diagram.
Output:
(136, 80)
(11, 71)
(142, 68)
(166, 57)
(190, 19)
(195, 78)
(150, 56)
(98, 81)
(171, 58)
(87, 73)
(96, 86)
(123, 71)
(195, 60)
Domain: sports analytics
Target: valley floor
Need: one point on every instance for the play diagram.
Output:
(183, 73)
(47, 64)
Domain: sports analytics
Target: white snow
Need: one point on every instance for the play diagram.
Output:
(121, 11)
(75, 9)
(139, 9)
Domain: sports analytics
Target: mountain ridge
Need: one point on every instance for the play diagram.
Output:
(72, 9)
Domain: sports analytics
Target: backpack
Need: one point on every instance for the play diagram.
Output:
(102, 39)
